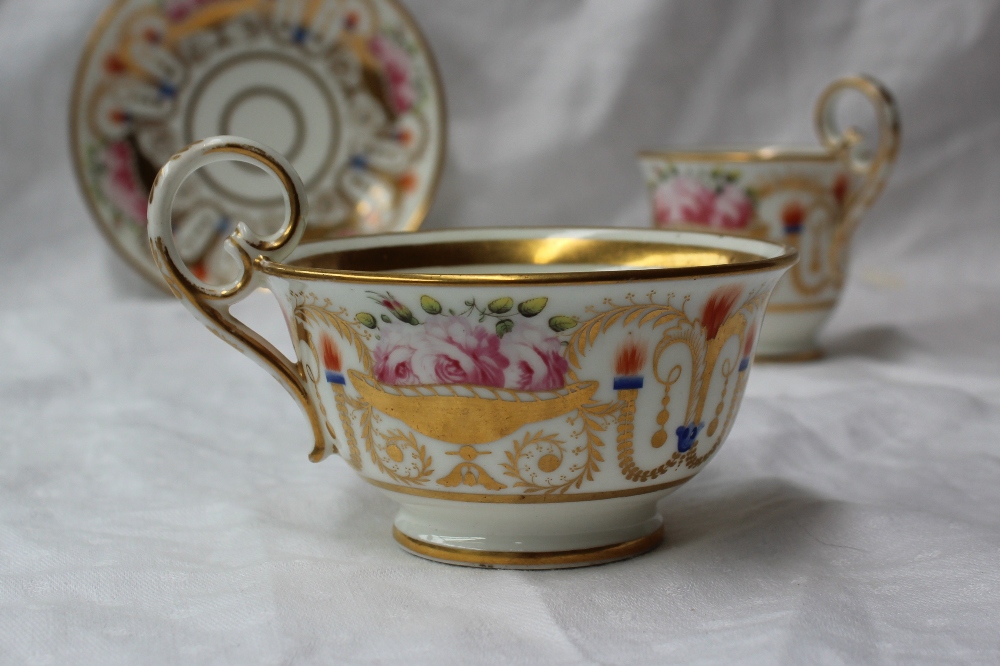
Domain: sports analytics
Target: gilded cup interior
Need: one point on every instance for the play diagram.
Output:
(549, 256)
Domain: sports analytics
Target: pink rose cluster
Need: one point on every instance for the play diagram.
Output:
(396, 65)
(178, 10)
(455, 350)
(684, 199)
(122, 184)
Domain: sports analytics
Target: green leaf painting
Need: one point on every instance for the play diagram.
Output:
(533, 306)
(430, 305)
(366, 320)
(500, 305)
(504, 326)
(560, 323)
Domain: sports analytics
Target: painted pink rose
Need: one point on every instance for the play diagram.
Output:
(394, 355)
(121, 184)
(733, 209)
(396, 66)
(682, 199)
(457, 351)
(178, 10)
(445, 350)
(536, 361)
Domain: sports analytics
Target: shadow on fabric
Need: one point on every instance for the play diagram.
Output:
(768, 520)
(880, 343)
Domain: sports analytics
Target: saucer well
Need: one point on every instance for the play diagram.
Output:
(347, 90)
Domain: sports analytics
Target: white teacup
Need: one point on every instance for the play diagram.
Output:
(811, 199)
(526, 395)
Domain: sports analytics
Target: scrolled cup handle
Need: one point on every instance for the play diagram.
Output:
(210, 304)
(875, 166)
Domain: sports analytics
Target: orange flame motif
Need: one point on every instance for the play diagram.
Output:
(840, 188)
(718, 307)
(793, 214)
(630, 357)
(331, 357)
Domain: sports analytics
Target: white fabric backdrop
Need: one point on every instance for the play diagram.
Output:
(156, 505)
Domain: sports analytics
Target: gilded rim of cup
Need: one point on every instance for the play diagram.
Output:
(483, 239)
(762, 154)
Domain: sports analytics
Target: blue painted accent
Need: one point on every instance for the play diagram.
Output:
(222, 226)
(359, 162)
(687, 436)
(623, 383)
(744, 363)
(299, 34)
(334, 377)
(167, 90)
(793, 229)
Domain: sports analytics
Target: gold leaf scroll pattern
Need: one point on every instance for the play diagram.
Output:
(821, 266)
(537, 460)
(471, 416)
(395, 453)
(678, 329)
(705, 361)
(308, 310)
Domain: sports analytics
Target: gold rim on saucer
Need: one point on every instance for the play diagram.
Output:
(348, 91)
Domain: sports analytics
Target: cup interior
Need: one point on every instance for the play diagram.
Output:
(549, 255)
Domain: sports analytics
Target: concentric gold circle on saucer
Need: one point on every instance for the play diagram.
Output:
(347, 90)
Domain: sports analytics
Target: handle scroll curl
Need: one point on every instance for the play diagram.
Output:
(873, 165)
(209, 303)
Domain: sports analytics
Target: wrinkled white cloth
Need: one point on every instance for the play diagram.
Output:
(156, 504)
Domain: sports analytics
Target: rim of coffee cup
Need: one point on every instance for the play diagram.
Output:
(744, 154)
(748, 256)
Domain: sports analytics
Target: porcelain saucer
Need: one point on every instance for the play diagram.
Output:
(347, 90)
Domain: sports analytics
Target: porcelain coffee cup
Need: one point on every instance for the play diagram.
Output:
(811, 199)
(526, 395)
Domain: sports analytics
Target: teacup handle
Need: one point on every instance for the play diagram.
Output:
(850, 143)
(210, 304)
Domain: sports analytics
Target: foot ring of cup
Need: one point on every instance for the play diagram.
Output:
(529, 560)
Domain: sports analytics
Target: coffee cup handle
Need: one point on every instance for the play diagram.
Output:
(211, 304)
(873, 166)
